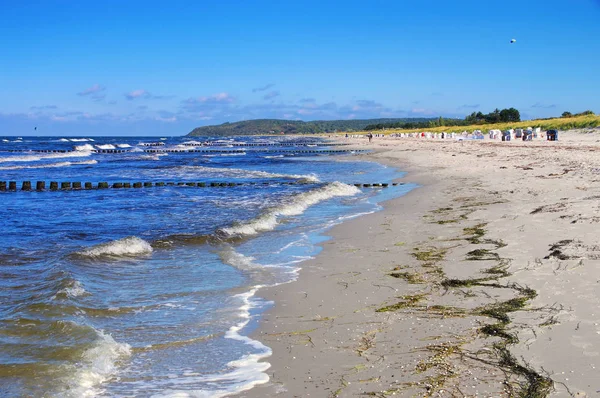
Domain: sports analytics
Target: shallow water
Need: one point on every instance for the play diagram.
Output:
(141, 292)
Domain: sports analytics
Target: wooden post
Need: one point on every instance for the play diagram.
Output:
(53, 185)
(40, 185)
(26, 186)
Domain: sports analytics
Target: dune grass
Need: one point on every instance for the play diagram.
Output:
(545, 124)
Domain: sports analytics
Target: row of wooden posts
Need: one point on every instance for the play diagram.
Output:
(56, 186)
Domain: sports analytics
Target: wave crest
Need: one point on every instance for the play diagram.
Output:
(97, 365)
(49, 165)
(297, 205)
(242, 173)
(129, 247)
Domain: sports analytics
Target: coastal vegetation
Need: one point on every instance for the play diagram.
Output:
(586, 120)
(497, 116)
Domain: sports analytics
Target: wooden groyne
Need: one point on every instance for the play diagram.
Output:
(13, 186)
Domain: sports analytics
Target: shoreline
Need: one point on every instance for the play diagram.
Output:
(459, 288)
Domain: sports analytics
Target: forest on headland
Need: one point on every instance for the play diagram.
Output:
(277, 126)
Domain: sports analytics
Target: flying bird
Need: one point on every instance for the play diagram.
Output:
(513, 41)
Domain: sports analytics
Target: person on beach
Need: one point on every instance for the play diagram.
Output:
(370, 137)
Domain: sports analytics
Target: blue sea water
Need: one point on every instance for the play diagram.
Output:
(153, 291)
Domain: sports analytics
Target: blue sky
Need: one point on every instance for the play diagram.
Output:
(163, 68)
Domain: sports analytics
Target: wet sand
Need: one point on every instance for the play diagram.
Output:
(484, 281)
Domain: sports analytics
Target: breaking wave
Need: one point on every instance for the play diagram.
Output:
(241, 173)
(86, 147)
(40, 156)
(126, 247)
(72, 289)
(97, 365)
(297, 205)
(242, 374)
(50, 165)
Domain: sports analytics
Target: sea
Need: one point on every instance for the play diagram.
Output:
(155, 291)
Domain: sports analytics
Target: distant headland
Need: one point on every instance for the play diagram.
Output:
(278, 126)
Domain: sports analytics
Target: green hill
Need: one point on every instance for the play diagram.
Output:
(275, 126)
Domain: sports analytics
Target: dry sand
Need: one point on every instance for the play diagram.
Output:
(484, 281)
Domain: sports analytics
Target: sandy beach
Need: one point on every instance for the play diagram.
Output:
(482, 282)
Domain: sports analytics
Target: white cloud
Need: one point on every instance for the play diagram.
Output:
(96, 88)
(138, 94)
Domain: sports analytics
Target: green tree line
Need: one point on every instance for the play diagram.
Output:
(497, 116)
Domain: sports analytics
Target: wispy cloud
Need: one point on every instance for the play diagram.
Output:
(96, 88)
(271, 95)
(145, 94)
(221, 98)
(263, 88)
(43, 107)
(135, 94)
(171, 119)
(543, 106)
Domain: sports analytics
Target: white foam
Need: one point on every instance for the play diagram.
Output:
(97, 365)
(75, 289)
(64, 140)
(297, 205)
(37, 157)
(80, 139)
(49, 165)
(240, 153)
(241, 173)
(123, 145)
(130, 246)
(105, 146)
(86, 147)
(238, 260)
(245, 372)
(155, 156)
